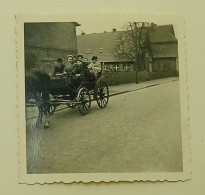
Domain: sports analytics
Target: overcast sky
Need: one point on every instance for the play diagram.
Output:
(98, 23)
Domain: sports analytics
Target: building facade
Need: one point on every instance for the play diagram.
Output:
(103, 45)
(160, 59)
(45, 42)
(164, 51)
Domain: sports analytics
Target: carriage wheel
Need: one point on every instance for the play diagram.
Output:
(102, 94)
(84, 101)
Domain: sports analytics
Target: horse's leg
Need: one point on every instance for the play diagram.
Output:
(40, 117)
(39, 101)
(46, 107)
(46, 125)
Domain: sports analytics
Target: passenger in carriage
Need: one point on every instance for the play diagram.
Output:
(80, 57)
(77, 70)
(86, 60)
(59, 68)
(70, 63)
(95, 66)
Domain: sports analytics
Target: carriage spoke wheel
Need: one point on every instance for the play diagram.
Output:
(102, 94)
(84, 101)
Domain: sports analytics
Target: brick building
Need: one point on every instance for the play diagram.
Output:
(45, 42)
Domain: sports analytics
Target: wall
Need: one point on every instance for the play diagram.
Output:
(116, 78)
(54, 35)
(49, 40)
(164, 64)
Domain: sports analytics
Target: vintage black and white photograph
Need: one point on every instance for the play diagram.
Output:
(102, 96)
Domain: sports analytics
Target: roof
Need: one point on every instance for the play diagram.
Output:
(99, 44)
(162, 39)
(163, 33)
(76, 23)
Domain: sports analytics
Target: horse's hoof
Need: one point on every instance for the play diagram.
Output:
(46, 126)
(38, 126)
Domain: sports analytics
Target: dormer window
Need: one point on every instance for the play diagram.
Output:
(88, 51)
(101, 50)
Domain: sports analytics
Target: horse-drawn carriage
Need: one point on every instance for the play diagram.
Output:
(47, 92)
(78, 91)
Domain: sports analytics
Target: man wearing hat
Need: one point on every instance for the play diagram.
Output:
(95, 66)
(78, 69)
(59, 69)
(80, 57)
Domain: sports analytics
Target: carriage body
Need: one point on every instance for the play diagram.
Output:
(78, 92)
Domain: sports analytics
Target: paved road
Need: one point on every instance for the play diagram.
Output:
(139, 131)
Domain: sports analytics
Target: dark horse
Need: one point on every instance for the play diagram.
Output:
(37, 87)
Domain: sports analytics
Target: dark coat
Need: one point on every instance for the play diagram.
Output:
(59, 69)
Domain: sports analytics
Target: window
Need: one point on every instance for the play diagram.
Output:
(116, 68)
(126, 67)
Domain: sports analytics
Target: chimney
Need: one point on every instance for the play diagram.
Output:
(153, 25)
(114, 30)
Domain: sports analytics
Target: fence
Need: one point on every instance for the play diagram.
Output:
(117, 78)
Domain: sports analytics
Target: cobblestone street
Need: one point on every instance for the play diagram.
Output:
(139, 131)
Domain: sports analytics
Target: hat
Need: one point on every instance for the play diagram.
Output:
(79, 56)
(59, 60)
(69, 56)
(94, 58)
(79, 60)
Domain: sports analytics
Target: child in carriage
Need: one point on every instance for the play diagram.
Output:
(95, 66)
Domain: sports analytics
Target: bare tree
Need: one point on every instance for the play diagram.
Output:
(132, 43)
